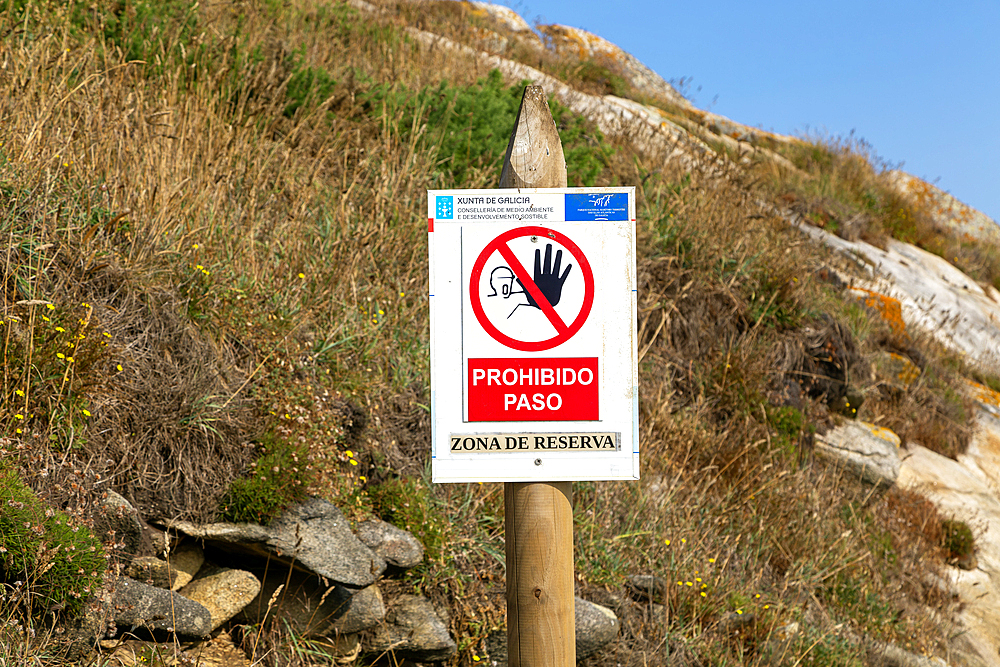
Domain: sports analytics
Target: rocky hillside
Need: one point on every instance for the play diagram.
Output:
(214, 434)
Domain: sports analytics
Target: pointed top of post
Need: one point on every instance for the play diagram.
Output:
(534, 153)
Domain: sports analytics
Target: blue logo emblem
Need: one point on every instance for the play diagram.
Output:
(596, 206)
(445, 207)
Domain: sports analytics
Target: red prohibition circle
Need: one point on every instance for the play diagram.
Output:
(564, 331)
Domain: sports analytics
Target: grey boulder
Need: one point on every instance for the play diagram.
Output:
(136, 605)
(398, 547)
(413, 631)
(313, 608)
(647, 587)
(185, 561)
(151, 570)
(314, 536)
(868, 451)
(224, 592)
(116, 519)
(596, 626)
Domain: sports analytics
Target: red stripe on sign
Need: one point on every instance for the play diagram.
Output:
(564, 389)
(430, 224)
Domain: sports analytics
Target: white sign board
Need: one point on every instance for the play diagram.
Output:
(533, 342)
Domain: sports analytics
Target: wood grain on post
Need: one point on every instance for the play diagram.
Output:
(534, 153)
(541, 629)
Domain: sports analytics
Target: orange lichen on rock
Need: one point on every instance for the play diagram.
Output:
(580, 43)
(881, 433)
(943, 208)
(886, 306)
(505, 16)
(984, 394)
(906, 371)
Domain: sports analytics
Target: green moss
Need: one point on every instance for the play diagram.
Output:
(788, 425)
(57, 563)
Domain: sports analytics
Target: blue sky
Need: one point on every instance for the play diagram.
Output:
(919, 81)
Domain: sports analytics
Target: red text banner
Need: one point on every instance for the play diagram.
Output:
(556, 389)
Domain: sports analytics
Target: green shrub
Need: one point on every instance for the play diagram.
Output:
(789, 424)
(307, 85)
(818, 648)
(787, 420)
(150, 31)
(57, 563)
(600, 76)
(279, 478)
(470, 127)
(407, 504)
(957, 539)
(851, 593)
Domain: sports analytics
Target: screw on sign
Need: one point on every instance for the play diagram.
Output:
(543, 289)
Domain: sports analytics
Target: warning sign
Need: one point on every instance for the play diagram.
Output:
(501, 286)
(533, 341)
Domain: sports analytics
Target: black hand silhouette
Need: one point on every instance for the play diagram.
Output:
(547, 278)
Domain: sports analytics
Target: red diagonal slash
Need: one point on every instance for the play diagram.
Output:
(533, 290)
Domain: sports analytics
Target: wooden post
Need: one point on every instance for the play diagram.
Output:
(534, 153)
(541, 629)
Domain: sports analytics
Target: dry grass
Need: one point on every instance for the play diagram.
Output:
(259, 270)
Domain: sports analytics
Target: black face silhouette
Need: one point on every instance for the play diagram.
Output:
(502, 282)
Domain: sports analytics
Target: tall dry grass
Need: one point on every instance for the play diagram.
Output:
(266, 271)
